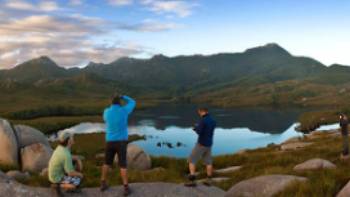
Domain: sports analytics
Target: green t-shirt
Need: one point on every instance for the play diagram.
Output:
(60, 164)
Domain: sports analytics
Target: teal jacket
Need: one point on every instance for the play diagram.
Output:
(116, 119)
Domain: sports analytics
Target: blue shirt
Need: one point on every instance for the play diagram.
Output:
(116, 119)
(205, 130)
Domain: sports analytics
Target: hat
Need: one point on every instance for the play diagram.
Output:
(63, 136)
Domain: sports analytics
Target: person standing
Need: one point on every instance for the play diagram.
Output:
(116, 119)
(202, 150)
(344, 122)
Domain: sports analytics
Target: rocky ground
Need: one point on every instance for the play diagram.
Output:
(308, 158)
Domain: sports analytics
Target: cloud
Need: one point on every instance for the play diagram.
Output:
(149, 26)
(177, 7)
(120, 2)
(76, 2)
(44, 6)
(69, 40)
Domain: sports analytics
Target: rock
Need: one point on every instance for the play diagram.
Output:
(8, 144)
(137, 159)
(295, 145)
(262, 186)
(215, 179)
(315, 164)
(28, 136)
(158, 189)
(15, 174)
(44, 172)
(35, 157)
(228, 170)
(345, 192)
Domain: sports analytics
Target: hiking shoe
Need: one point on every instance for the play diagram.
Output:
(103, 186)
(127, 191)
(192, 181)
(57, 190)
(208, 182)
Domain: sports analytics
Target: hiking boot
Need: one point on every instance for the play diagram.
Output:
(103, 186)
(57, 190)
(208, 182)
(127, 191)
(192, 181)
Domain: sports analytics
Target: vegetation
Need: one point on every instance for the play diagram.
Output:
(263, 161)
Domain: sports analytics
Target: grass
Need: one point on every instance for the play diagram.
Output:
(263, 161)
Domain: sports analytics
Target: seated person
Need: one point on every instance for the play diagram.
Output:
(61, 169)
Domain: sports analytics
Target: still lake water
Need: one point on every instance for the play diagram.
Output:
(168, 129)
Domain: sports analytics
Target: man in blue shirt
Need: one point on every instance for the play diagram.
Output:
(205, 130)
(116, 119)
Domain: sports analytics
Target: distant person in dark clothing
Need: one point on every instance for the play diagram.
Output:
(344, 122)
(202, 150)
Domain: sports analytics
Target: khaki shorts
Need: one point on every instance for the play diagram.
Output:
(201, 152)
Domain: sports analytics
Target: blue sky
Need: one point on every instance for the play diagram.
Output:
(73, 32)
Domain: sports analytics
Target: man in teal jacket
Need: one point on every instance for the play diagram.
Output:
(116, 119)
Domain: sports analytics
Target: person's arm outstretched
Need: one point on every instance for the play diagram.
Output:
(130, 104)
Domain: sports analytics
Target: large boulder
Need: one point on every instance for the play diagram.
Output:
(262, 186)
(8, 144)
(137, 158)
(15, 174)
(314, 164)
(345, 192)
(28, 136)
(35, 157)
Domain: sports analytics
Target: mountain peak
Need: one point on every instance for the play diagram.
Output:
(159, 56)
(270, 48)
(42, 61)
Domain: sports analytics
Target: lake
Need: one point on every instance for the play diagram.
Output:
(168, 128)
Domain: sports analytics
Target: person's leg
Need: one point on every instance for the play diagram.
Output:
(208, 161)
(122, 162)
(109, 158)
(192, 160)
(124, 175)
(210, 171)
(192, 168)
(104, 169)
(68, 186)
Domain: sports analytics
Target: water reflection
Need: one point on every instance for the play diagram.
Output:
(168, 129)
(184, 116)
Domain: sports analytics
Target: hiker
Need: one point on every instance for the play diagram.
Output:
(116, 119)
(344, 131)
(202, 150)
(62, 172)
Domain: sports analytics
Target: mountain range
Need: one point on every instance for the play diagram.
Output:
(264, 75)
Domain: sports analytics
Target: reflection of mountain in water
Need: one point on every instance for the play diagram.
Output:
(263, 120)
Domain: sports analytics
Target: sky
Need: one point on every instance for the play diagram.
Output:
(74, 32)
